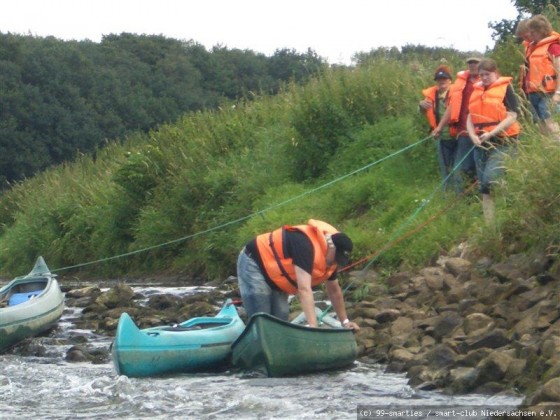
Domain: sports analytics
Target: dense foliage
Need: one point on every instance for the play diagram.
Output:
(348, 147)
(188, 195)
(59, 98)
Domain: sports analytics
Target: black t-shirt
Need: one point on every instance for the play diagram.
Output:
(297, 246)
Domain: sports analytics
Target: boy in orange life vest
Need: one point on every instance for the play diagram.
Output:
(493, 127)
(291, 260)
(539, 77)
(434, 107)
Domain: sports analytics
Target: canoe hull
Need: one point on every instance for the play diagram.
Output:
(31, 316)
(165, 350)
(279, 348)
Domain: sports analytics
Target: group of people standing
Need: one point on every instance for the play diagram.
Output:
(474, 118)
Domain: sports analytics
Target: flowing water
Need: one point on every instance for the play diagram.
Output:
(50, 388)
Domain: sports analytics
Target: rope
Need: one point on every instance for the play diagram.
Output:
(394, 240)
(241, 219)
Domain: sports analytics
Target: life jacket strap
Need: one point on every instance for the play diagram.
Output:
(277, 259)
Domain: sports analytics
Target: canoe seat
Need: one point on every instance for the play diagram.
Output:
(201, 326)
(18, 298)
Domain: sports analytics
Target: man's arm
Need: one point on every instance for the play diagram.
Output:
(305, 294)
(337, 300)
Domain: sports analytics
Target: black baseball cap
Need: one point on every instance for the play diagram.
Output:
(343, 245)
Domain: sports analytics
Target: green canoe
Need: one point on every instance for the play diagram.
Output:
(29, 305)
(281, 348)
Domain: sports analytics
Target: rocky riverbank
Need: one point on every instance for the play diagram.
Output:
(464, 325)
(469, 325)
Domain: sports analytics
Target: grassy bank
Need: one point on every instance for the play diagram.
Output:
(187, 196)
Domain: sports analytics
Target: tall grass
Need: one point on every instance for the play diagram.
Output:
(213, 180)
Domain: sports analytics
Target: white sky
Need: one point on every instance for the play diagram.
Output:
(335, 29)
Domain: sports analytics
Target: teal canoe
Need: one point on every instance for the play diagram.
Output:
(279, 348)
(29, 305)
(197, 345)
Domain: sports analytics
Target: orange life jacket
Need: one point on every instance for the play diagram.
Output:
(524, 68)
(281, 270)
(538, 73)
(431, 95)
(487, 108)
(456, 100)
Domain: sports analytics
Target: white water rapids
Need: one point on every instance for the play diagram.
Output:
(51, 388)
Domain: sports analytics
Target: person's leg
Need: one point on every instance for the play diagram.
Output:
(542, 105)
(480, 158)
(255, 292)
(495, 164)
(464, 157)
(488, 209)
(493, 172)
(279, 305)
(446, 159)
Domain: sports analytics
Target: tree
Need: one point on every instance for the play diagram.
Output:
(504, 29)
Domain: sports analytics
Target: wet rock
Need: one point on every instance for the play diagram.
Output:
(30, 347)
(462, 380)
(120, 295)
(84, 292)
(162, 302)
(196, 309)
(77, 354)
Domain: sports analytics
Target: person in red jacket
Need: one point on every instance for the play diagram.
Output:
(456, 116)
(292, 260)
(539, 77)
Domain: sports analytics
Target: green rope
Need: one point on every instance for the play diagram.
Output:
(397, 232)
(241, 219)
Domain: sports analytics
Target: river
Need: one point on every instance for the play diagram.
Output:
(49, 387)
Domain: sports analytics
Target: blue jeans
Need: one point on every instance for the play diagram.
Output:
(446, 150)
(541, 105)
(257, 295)
(490, 165)
(464, 158)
